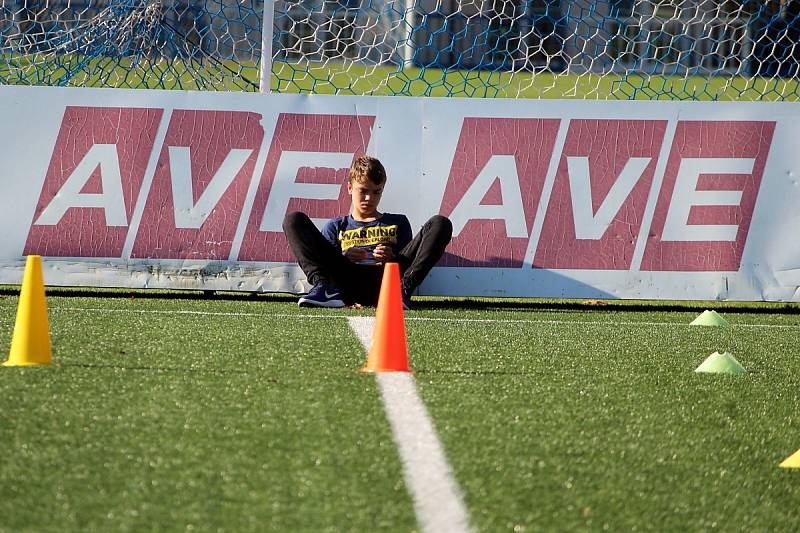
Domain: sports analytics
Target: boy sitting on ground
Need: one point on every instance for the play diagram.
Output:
(344, 262)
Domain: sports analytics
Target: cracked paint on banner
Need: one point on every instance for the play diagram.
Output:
(494, 188)
(599, 195)
(190, 191)
(93, 180)
(306, 170)
(706, 202)
(201, 180)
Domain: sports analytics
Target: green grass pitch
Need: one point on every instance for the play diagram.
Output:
(167, 411)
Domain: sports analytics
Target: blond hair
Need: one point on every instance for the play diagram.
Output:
(367, 168)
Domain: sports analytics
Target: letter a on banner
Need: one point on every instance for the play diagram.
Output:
(494, 187)
(101, 159)
(501, 172)
(92, 182)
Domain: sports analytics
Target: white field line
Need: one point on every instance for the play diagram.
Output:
(421, 318)
(437, 498)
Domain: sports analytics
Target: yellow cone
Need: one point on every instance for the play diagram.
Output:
(30, 344)
(793, 461)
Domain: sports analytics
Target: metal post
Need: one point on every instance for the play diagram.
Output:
(407, 51)
(267, 19)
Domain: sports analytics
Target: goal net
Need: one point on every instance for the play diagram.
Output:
(594, 49)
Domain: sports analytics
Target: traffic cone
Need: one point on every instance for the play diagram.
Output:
(388, 351)
(793, 461)
(30, 344)
(721, 363)
(709, 318)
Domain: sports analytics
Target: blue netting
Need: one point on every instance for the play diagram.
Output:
(705, 49)
(130, 43)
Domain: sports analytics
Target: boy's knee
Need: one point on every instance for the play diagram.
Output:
(441, 225)
(293, 219)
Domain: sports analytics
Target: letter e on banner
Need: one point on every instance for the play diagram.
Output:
(494, 186)
(706, 202)
(92, 182)
(199, 186)
(599, 194)
(306, 170)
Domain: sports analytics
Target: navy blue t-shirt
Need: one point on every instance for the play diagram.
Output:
(389, 229)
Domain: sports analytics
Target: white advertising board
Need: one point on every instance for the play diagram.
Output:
(675, 200)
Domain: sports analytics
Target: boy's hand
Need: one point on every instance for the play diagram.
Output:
(356, 254)
(383, 253)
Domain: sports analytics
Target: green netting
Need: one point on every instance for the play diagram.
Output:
(612, 49)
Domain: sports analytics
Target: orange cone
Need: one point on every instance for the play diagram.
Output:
(388, 352)
(30, 344)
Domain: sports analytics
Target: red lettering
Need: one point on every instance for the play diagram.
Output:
(493, 189)
(706, 202)
(611, 165)
(330, 144)
(72, 230)
(199, 186)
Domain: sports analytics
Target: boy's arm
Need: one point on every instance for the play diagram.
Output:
(331, 233)
(404, 233)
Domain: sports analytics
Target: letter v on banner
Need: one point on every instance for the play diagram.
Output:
(92, 182)
(600, 194)
(198, 190)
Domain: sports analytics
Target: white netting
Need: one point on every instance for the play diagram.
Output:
(612, 49)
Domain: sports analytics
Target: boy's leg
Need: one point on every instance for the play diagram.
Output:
(324, 267)
(421, 254)
(365, 285)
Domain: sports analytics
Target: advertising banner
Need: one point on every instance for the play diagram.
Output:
(575, 199)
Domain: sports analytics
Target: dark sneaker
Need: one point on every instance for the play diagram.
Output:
(322, 295)
(406, 294)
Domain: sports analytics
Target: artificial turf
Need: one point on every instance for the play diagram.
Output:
(175, 422)
(172, 412)
(597, 420)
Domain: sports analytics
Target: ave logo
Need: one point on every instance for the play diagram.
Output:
(601, 194)
(602, 184)
(194, 207)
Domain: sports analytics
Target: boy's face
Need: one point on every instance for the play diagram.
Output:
(365, 198)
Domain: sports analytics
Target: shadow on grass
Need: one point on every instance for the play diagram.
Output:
(157, 294)
(608, 305)
(429, 303)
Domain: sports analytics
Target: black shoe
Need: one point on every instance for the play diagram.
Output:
(406, 296)
(322, 295)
